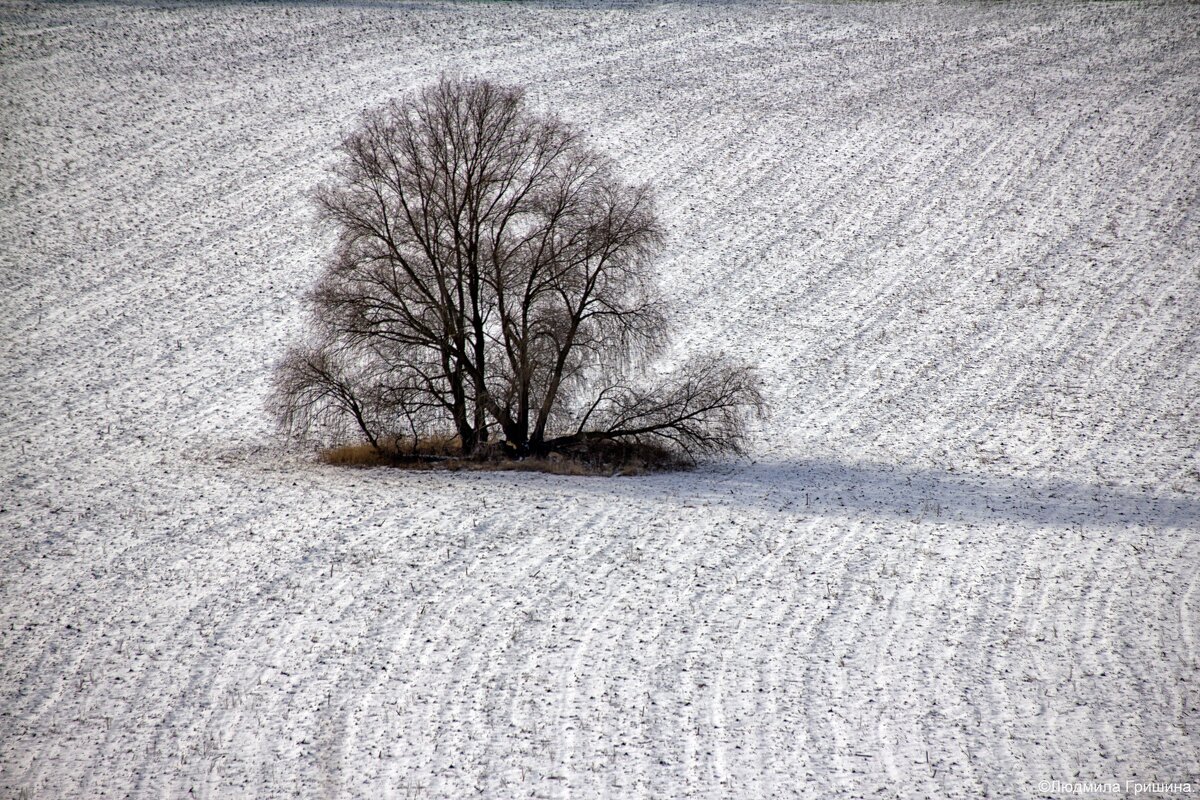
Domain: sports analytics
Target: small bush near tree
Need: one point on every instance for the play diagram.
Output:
(490, 292)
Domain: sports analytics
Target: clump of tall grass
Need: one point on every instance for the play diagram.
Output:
(607, 458)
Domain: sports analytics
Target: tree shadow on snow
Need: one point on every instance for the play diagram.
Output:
(829, 488)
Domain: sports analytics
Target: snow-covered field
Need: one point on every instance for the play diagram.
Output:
(961, 241)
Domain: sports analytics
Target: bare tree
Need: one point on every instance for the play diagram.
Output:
(491, 279)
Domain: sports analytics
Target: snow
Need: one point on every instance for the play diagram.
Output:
(961, 243)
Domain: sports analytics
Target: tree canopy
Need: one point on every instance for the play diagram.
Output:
(491, 282)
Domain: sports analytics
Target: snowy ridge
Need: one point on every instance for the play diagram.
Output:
(961, 243)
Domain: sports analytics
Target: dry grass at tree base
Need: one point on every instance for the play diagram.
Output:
(606, 458)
